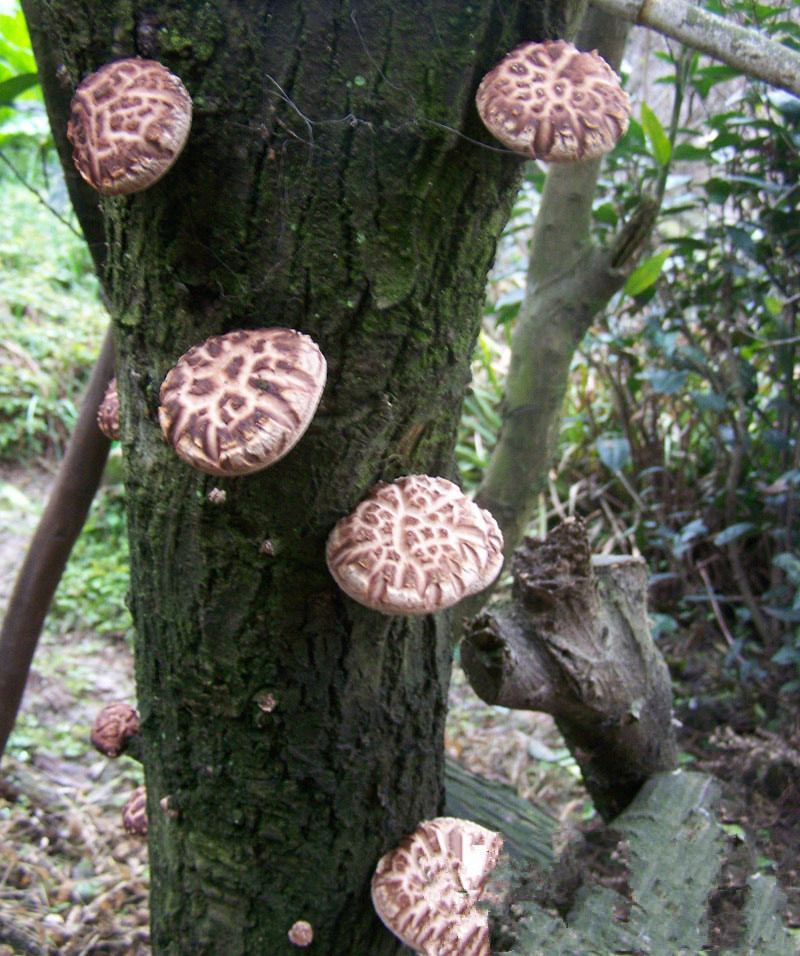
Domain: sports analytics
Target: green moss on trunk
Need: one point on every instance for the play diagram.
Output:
(327, 186)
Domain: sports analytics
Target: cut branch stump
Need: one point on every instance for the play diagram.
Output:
(575, 642)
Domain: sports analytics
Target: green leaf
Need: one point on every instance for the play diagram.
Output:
(11, 88)
(614, 452)
(645, 274)
(708, 401)
(659, 141)
(704, 79)
(732, 532)
(686, 151)
(790, 564)
(606, 213)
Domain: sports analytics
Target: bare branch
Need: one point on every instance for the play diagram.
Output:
(747, 50)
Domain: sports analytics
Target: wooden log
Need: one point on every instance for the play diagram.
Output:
(575, 642)
(673, 847)
(527, 831)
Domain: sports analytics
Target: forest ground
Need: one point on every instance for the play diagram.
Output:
(73, 883)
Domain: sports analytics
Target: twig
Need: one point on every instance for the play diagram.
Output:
(40, 197)
(712, 597)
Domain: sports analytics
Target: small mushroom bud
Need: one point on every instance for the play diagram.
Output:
(108, 412)
(166, 806)
(217, 496)
(266, 701)
(134, 813)
(114, 727)
(301, 934)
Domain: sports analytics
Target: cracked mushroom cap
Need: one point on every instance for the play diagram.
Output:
(113, 727)
(108, 412)
(128, 124)
(415, 546)
(134, 813)
(242, 400)
(552, 102)
(426, 890)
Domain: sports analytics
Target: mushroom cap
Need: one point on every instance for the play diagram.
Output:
(301, 933)
(552, 102)
(134, 813)
(129, 122)
(108, 412)
(426, 889)
(113, 727)
(414, 546)
(240, 401)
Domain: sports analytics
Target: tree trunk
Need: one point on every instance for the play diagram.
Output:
(334, 182)
(575, 643)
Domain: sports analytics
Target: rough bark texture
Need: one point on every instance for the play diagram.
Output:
(575, 642)
(325, 187)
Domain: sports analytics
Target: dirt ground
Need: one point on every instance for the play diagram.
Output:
(72, 882)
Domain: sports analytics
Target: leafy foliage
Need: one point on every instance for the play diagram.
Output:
(91, 594)
(23, 121)
(682, 434)
(698, 363)
(52, 325)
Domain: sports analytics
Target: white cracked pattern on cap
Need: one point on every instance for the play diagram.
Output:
(415, 546)
(426, 889)
(129, 122)
(240, 401)
(552, 102)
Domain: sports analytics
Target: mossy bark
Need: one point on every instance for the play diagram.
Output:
(336, 181)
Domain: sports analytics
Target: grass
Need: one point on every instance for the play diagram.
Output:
(52, 324)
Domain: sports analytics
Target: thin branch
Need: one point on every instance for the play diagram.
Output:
(750, 51)
(39, 196)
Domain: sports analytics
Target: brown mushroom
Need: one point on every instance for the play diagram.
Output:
(108, 412)
(128, 124)
(415, 546)
(240, 401)
(552, 102)
(134, 813)
(426, 890)
(114, 727)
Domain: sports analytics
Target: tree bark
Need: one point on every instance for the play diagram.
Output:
(327, 187)
(575, 643)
